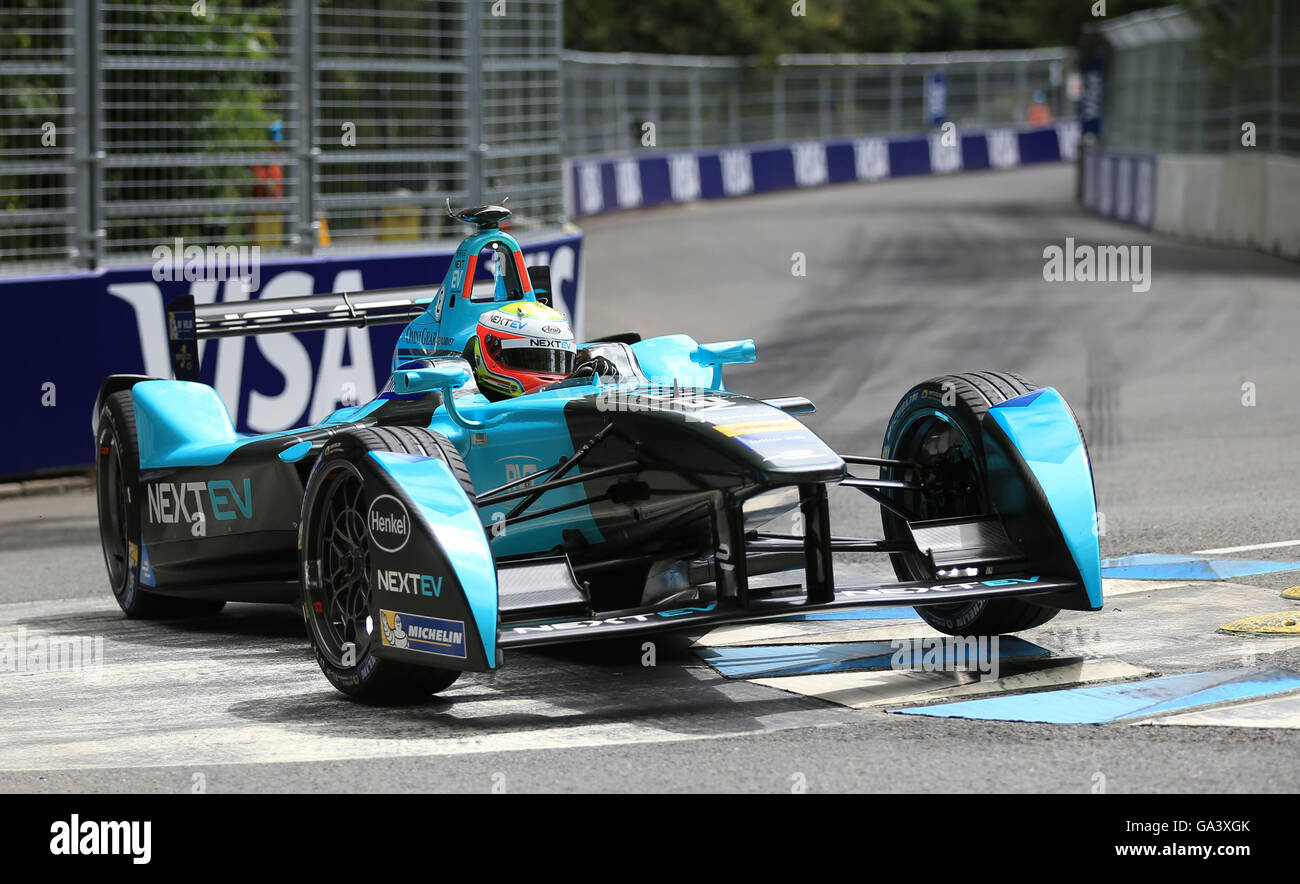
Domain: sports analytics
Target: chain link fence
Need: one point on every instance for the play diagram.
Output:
(301, 126)
(698, 102)
(1167, 92)
(39, 141)
(320, 126)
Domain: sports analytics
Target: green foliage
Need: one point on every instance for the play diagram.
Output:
(765, 29)
(157, 107)
(1235, 30)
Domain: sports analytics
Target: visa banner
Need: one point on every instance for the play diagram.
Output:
(64, 333)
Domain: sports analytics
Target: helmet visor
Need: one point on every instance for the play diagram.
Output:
(542, 360)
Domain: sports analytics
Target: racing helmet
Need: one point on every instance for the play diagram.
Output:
(519, 347)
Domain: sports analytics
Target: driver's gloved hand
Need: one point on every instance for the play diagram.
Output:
(595, 365)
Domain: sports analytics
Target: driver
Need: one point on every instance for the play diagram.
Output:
(519, 347)
(524, 345)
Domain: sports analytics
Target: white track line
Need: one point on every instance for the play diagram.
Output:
(864, 690)
(1236, 549)
(158, 694)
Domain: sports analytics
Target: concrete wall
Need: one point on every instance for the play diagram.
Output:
(1246, 199)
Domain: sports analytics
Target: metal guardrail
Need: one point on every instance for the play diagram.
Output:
(319, 126)
(303, 127)
(1166, 94)
(698, 102)
(43, 138)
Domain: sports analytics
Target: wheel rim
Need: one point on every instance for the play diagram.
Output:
(340, 556)
(954, 483)
(112, 515)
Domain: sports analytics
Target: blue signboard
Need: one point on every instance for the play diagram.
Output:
(1093, 104)
(936, 99)
(65, 333)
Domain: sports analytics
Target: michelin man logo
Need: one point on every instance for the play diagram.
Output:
(394, 635)
(425, 635)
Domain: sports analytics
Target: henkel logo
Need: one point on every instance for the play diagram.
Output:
(389, 523)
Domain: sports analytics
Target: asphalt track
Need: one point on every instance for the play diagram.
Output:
(906, 280)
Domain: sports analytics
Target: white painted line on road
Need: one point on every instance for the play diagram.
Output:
(242, 688)
(864, 690)
(1279, 544)
(1275, 712)
(817, 632)
(1117, 586)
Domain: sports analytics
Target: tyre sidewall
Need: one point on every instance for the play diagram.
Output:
(345, 450)
(339, 452)
(928, 398)
(981, 616)
(112, 434)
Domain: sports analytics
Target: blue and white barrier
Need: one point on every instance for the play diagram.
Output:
(1243, 199)
(1120, 186)
(640, 180)
(65, 333)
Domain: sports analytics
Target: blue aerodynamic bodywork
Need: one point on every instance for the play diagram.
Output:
(429, 530)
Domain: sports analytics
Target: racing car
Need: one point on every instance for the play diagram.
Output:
(431, 530)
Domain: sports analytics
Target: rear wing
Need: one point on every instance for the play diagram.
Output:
(187, 323)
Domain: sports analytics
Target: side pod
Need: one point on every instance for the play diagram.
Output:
(433, 580)
(1040, 478)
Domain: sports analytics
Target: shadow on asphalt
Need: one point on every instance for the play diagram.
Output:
(590, 684)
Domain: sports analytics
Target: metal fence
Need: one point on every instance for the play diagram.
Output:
(1166, 92)
(42, 143)
(701, 101)
(318, 126)
(305, 126)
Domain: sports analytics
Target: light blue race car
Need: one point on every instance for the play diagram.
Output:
(426, 532)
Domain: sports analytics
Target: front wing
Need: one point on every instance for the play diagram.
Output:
(639, 622)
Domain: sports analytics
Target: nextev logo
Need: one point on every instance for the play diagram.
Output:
(174, 503)
(408, 582)
(1085, 263)
(194, 263)
(77, 837)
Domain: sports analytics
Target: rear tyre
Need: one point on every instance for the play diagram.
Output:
(117, 497)
(334, 567)
(937, 425)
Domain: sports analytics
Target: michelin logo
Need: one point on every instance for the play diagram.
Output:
(394, 635)
(428, 635)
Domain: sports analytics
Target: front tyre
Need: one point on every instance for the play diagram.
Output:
(937, 426)
(335, 567)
